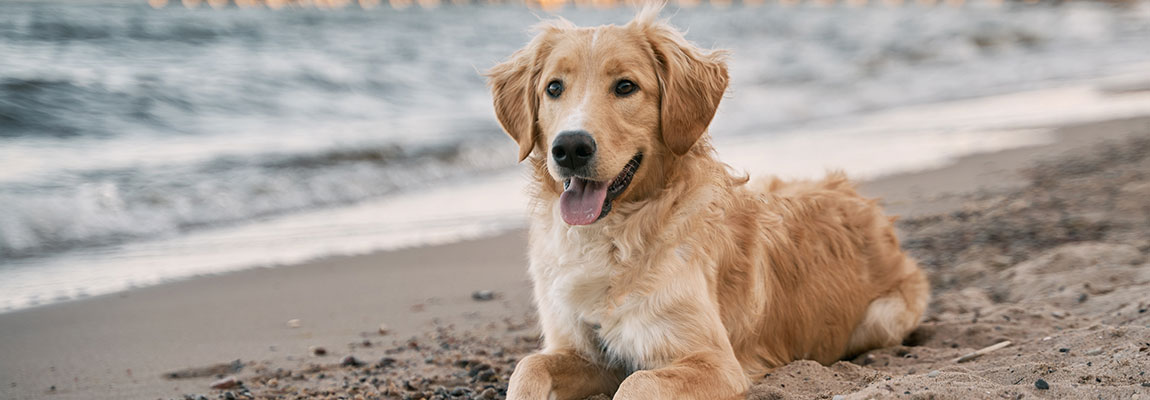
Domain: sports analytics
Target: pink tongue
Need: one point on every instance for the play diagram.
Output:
(582, 202)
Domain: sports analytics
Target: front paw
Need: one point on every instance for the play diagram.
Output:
(530, 380)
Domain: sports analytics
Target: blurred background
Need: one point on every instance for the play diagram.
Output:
(142, 142)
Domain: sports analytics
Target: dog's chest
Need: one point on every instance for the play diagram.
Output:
(578, 279)
(620, 327)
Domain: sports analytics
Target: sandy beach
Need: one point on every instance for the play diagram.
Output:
(1044, 247)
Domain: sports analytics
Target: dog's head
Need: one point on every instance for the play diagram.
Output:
(602, 104)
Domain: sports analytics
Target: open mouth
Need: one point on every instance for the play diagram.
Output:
(585, 201)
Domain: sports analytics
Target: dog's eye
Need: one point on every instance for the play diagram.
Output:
(625, 87)
(554, 89)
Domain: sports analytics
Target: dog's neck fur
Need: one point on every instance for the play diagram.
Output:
(648, 216)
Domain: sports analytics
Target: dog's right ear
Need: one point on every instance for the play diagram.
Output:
(513, 83)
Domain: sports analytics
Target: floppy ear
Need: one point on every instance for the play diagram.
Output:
(691, 82)
(512, 84)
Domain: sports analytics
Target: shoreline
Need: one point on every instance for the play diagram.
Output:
(119, 345)
(879, 146)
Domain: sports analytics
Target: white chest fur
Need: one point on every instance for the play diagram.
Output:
(574, 270)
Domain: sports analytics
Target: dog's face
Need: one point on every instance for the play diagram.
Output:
(606, 107)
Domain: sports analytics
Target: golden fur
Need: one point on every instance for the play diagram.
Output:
(697, 280)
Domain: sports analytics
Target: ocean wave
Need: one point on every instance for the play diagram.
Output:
(112, 206)
(54, 22)
(45, 106)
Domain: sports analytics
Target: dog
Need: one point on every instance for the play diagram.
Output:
(659, 272)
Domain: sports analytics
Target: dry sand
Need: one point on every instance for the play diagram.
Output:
(1051, 256)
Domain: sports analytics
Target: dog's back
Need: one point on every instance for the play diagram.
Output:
(834, 279)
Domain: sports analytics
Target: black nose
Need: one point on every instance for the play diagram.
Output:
(573, 149)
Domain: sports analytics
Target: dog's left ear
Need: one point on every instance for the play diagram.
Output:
(512, 84)
(691, 82)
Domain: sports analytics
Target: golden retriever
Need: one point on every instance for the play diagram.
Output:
(658, 273)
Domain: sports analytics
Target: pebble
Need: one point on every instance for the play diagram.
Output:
(933, 374)
(486, 376)
(273, 382)
(1064, 350)
(386, 362)
(483, 295)
(225, 383)
(1145, 384)
(350, 361)
(1093, 352)
(293, 323)
(1041, 384)
(317, 351)
(384, 329)
(839, 397)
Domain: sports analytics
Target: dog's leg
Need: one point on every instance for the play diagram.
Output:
(560, 375)
(890, 318)
(701, 376)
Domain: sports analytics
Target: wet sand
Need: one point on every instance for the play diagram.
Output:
(1082, 230)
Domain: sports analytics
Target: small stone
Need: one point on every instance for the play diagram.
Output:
(933, 374)
(273, 382)
(225, 383)
(1058, 314)
(350, 361)
(384, 329)
(229, 396)
(1041, 384)
(385, 362)
(1064, 350)
(486, 376)
(317, 351)
(1145, 384)
(483, 295)
(1093, 352)
(477, 368)
(839, 397)
(868, 360)
(459, 391)
(293, 323)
